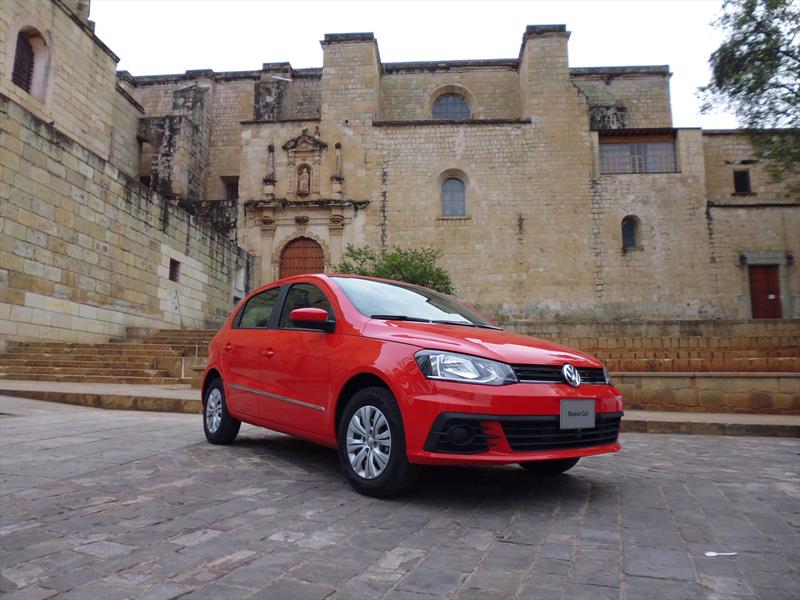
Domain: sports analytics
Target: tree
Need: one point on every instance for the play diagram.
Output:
(417, 265)
(756, 73)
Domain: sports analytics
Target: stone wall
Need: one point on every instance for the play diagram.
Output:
(79, 84)
(86, 250)
(409, 89)
(643, 282)
(773, 393)
(642, 91)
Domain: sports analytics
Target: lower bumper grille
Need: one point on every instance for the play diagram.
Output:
(457, 433)
(528, 434)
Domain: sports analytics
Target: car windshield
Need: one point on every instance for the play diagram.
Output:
(404, 302)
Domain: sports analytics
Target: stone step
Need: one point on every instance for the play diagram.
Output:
(117, 351)
(687, 342)
(780, 365)
(72, 345)
(82, 370)
(98, 362)
(95, 379)
(704, 354)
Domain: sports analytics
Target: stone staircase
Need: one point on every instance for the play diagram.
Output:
(166, 357)
(694, 354)
(687, 373)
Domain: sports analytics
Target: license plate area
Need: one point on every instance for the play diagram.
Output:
(577, 414)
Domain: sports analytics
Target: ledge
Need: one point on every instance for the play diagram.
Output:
(439, 122)
(272, 121)
(618, 71)
(286, 203)
(755, 205)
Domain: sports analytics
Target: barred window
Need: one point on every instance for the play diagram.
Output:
(451, 107)
(453, 198)
(644, 157)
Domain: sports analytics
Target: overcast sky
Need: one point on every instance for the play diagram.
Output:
(171, 36)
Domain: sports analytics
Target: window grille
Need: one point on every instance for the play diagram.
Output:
(646, 157)
(451, 107)
(453, 198)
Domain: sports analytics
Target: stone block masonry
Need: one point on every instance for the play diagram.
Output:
(86, 251)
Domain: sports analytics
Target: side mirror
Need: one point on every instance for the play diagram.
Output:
(312, 318)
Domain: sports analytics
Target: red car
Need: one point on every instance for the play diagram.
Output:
(396, 376)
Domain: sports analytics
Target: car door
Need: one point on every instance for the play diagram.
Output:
(296, 372)
(244, 353)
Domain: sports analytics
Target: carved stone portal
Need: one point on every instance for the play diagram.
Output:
(305, 158)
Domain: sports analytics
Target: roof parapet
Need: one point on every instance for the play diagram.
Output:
(348, 38)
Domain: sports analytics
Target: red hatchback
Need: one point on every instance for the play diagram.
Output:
(396, 376)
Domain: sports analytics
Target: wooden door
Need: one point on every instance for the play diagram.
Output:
(301, 255)
(765, 292)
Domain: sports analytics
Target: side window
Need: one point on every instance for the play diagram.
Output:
(256, 314)
(303, 295)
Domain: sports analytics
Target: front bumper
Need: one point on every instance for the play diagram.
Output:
(508, 424)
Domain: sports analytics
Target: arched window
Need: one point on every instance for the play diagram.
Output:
(451, 107)
(630, 233)
(31, 63)
(453, 198)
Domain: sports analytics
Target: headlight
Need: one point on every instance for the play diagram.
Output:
(435, 364)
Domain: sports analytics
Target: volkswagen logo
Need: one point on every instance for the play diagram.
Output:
(571, 375)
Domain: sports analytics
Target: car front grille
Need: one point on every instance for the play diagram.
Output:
(528, 434)
(552, 374)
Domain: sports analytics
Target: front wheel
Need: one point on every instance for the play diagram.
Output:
(549, 467)
(220, 427)
(372, 446)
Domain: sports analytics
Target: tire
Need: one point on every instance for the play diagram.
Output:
(214, 406)
(375, 464)
(549, 467)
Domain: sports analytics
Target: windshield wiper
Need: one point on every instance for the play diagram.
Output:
(467, 324)
(437, 321)
(400, 318)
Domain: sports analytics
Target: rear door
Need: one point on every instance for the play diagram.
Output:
(244, 354)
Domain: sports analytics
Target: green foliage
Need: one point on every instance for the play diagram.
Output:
(417, 265)
(756, 73)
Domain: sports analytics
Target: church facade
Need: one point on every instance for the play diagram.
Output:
(552, 192)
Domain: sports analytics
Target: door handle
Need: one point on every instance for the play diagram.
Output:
(268, 353)
(227, 347)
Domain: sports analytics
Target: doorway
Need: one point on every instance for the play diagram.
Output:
(301, 255)
(765, 291)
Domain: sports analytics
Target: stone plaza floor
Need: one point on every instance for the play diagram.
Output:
(117, 504)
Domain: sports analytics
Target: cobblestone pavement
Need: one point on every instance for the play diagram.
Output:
(102, 504)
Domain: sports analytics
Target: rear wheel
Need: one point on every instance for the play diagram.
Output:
(220, 427)
(372, 446)
(549, 467)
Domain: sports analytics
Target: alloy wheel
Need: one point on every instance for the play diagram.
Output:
(369, 442)
(214, 410)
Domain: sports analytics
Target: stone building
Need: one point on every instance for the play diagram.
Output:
(554, 193)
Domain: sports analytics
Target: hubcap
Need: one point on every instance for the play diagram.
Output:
(214, 410)
(369, 442)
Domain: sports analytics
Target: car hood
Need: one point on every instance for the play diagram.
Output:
(486, 343)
